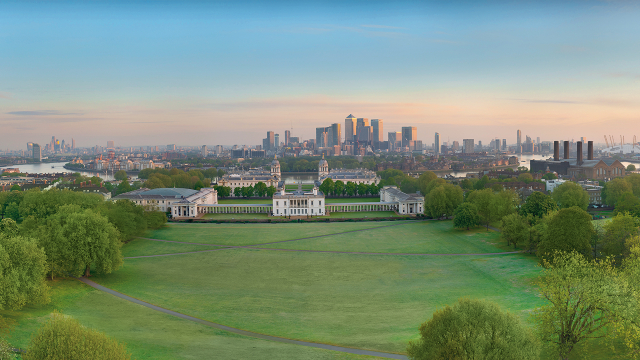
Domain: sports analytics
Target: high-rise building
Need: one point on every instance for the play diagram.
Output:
(349, 129)
(203, 151)
(361, 122)
(321, 137)
(287, 136)
(409, 133)
(57, 146)
(170, 147)
(436, 144)
(276, 141)
(365, 135)
(504, 144)
(336, 135)
(73, 144)
(29, 146)
(468, 146)
(378, 131)
(271, 140)
(36, 152)
(583, 139)
(519, 142)
(52, 146)
(538, 140)
(456, 145)
(110, 144)
(219, 149)
(395, 140)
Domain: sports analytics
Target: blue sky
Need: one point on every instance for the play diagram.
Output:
(147, 73)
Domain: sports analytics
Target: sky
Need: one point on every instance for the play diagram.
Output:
(198, 72)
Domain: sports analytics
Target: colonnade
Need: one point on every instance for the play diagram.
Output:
(346, 207)
(235, 209)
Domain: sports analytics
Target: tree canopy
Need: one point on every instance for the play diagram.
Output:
(567, 230)
(23, 269)
(473, 329)
(466, 216)
(538, 205)
(570, 194)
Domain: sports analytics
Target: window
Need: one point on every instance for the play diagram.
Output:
(311, 202)
(276, 203)
(277, 211)
(320, 203)
(285, 203)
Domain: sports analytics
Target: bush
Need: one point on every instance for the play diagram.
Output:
(63, 337)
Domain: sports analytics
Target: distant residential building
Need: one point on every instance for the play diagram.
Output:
(468, 146)
(36, 152)
(203, 151)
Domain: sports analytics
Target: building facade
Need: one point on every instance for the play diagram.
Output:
(179, 202)
(408, 204)
(299, 203)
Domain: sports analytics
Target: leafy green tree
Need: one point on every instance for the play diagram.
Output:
(373, 189)
(223, 191)
(466, 184)
(260, 189)
(571, 194)
(152, 183)
(634, 181)
(23, 268)
(6, 350)
(120, 175)
(237, 192)
(424, 180)
(363, 189)
(15, 188)
(549, 176)
(628, 203)
(123, 187)
(271, 190)
(247, 191)
(473, 330)
(62, 337)
(95, 180)
(155, 219)
(480, 184)
(127, 217)
(617, 231)
(8, 227)
(525, 178)
(614, 189)
(484, 200)
(199, 185)
(585, 300)
(567, 230)
(631, 167)
(515, 229)
(338, 188)
(350, 188)
(466, 216)
(327, 186)
(220, 173)
(538, 205)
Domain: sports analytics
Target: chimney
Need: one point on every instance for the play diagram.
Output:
(556, 151)
(566, 149)
(590, 150)
(579, 153)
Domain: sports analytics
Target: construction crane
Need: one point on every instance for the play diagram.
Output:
(606, 141)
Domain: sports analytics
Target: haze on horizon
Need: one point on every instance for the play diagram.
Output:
(194, 73)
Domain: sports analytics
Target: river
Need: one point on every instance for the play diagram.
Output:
(57, 167)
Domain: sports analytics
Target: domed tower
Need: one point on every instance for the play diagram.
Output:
(275, 168)
(323, 167)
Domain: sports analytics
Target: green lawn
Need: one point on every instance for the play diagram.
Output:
(141, 247)
(245, 201)
(363, 214)
(150, 334)
(352, 200)
(430, 237)
(305, 187)
(365, 301)
(253, 234)
(236, 216)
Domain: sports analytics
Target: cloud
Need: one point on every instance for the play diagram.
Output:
(383, 27)
(5, 95)
(535, 101)
(40, 113)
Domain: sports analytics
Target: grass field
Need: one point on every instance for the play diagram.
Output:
(236, 216)
(363, 214)
(352, 200)
(150, 334)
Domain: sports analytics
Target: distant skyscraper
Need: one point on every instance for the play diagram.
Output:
(276, 140)
(409, 133)
(36, 152)
(504, 144)
(73, 144)
(321, 137)
(436, 144)
(170, 147)
(29, 146)
(349, 129)
(336, 135)
(538, 140)
(583, 139)
(270, 140)
(110, 144)
(456, 145)
(468, 146)
(519, 142)
(377, 126)
(287, 136)
(395, 140)
(203, 151)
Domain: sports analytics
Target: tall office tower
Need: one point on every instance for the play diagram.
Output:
(73, 144)
(62, 145)
(504, 144)
(583, 139)
(171, 147)
(409, 133)
(468, 146)
(480, 145)
(287, 136)
(271, 140)
(53, 143)
(519, 142)
(349, 129)
(395, 140)
(36, 153)
(436, 144)
(203, 151)
(361, 122)
(365, 135)
(219, 149)
(496, 144)
(276, 141)
(110, 144)
(538, 140)
(377, 126)
(57, 146)
(321, 137)
(29, 146)
(456, 145)
(336, 135)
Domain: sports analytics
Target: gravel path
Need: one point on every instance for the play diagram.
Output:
(240, 331)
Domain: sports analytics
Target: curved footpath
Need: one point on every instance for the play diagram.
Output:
(240, 331)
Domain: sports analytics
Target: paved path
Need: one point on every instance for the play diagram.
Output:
(240, 331)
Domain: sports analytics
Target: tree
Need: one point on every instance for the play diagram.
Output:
(271, 190)
(363, 189)
(538, 205)
(373, 189)
(466, 216)
(617, 231)
(586, 300)
(628, 203)
(120, 175)
(480, 184)
(549, 176)
(155, 219)
(571, 194)
(338, 188)
(260, 189)
(350, 188)
(631, 167)
(473, 329)
(23, 267)
(6, 350)
(327, 186)
(484, 201)
(424, 180)
(237, 192)
(525, 178)
(126, 216)
(95, 180)
(515, 229)
(123, 187)
(223, 191)
(62, 337)
(614, 189)
(634, 181)
(152, 183)
(8, 227)
(199, 185)
(15, 188)
(567, 230)
(247, 191)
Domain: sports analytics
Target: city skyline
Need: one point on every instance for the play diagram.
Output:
(225, 74)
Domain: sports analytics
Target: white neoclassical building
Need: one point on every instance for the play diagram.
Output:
(356, 176)
(407, 204)
(251, 178)
(179, 202)
(298, 203)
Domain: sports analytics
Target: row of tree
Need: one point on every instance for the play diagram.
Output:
(339, 188)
